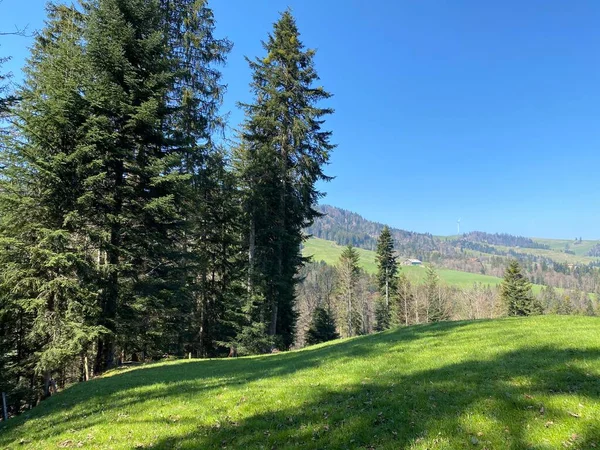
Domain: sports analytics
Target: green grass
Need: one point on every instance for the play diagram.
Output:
(530, 383)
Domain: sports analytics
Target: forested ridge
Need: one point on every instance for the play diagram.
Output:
(475, 252)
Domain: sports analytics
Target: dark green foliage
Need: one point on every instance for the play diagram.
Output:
(437, 303)
(255, 339)
(387, 272)
(383, 316)
(322, 327)
(116, 207)
(281, 158)
(516, 292)
(47, 275)
(350, 315)
(403, 306)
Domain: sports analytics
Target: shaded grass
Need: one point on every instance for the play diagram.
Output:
(510, 383)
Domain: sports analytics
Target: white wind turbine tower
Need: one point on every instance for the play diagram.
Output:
(458, 226)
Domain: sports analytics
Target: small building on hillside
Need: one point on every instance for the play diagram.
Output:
(412, 262)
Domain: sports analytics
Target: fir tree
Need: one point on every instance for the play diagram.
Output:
(403, 303)
(209, 202)
(437, 308)
(322, 327)
(49, 273)
(282, 156)
(387, 271)
(515, 292)
(382, 315)
(348, 276)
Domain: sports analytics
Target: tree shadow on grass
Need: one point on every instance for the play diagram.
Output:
(85, 405)
(491, 403)
(513, 402)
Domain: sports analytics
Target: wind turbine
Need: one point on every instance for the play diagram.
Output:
(458, 226)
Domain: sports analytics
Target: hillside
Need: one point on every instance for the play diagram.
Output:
(509, 383)
(329, 252)
(565, 264)
(346, 227)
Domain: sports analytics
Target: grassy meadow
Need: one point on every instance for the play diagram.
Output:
(329, 252)
(520, 383)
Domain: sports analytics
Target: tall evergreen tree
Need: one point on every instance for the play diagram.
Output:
(387, 272)
(403, 304)
(209, 204)
(158, 184)
(118, 211)
(437, 308)
(515, 292)
(348, 275)
(282, 156)
(49, 274)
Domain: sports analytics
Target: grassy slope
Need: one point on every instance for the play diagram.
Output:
(502, 384)
(328, 251)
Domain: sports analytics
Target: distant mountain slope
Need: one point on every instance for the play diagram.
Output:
(329, 252)
(504, 239)
(346, 227)
(570, 264)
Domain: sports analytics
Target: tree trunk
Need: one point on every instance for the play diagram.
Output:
(106, 344)
(251, 252)
(86, 369)
(387, 290)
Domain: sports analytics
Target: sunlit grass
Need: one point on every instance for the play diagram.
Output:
(509, 383)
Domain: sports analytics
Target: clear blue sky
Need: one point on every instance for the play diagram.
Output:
(484, 110)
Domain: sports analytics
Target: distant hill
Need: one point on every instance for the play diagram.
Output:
(329, 252)
(570, 264)
(505, 239)
(346, 227)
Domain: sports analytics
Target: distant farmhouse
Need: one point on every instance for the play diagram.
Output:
(412, 262)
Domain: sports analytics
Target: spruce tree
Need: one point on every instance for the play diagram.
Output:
(382, 315)
(208, 203)
(282, 155)
(48, 277)
(515, 292)
(159, 203)
(348, 276)
(404, 303)
(322, 327)
(437, 308)
(387, 271)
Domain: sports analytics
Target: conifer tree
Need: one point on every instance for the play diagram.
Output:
(437, 308)
(282, 155)
(387, 271)
(348, 276)
(158, 184)
(382, 315)
(209, 201)
(48, 276)
(515, 292)
(322, 327)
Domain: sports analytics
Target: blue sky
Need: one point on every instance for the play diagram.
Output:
(484, 110)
